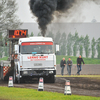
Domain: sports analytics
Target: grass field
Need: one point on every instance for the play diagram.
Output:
(74, 59)
(5, 58)
(12, 93)
(97, 77)
(89, 76)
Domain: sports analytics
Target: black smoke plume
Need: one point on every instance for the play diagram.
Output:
(44, 10)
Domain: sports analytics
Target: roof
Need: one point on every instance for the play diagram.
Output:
(35, 39)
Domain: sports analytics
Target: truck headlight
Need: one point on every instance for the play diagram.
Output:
(50, 72)
(25, 72)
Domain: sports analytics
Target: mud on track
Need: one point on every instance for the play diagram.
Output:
(79, 85)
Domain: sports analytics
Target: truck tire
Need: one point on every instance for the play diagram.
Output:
(22, 80)
(14, 76)
(19, 81)
(52, 79)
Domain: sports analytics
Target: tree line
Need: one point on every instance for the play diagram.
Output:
(76, 43)
(71, 44)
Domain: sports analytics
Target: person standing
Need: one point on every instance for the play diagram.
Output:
(69, 65)
(62, 65)
(79, 66)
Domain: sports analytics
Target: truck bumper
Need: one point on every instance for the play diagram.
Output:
(37, 73)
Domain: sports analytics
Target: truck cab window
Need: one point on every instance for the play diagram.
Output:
(28, 49)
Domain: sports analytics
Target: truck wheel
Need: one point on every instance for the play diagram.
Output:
(14, 76)
(52, 79)
(18, 81)
(22, 80)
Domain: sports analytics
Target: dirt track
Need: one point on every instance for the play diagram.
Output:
(79, 86)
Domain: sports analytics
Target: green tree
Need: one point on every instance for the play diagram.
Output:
(8, 18)
(57, 38)
(28, 35)
(81, 44)
(98, 47)
(31, 34)
(3, 48)
(63, 44)
(86, 45)
(1, 44)
(69, 44)
(93, 43)
(39, 34)
(50, 34)
(75, 43)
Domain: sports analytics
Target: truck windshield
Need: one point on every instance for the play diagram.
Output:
(38, 49)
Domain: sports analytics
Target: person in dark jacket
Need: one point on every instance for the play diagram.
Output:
(62, 65)
(69, 65)
(79, 66)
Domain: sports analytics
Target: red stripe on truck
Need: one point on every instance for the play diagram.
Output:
(37, 43)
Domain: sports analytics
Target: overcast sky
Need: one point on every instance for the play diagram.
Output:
(24, 12)
(88, 12)
(85, 12)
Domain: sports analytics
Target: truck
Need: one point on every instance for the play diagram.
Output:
(34, 57)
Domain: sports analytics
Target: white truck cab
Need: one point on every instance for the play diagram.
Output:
(35, 57)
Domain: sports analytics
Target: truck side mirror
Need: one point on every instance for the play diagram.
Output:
(57, 49)
(16, 49)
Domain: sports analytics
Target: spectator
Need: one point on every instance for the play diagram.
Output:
(69, 66)
(62, 65)
(79, 66)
